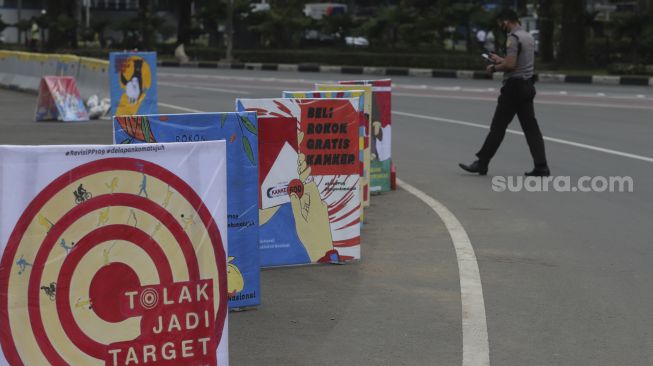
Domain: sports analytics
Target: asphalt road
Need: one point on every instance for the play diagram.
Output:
(566, 276)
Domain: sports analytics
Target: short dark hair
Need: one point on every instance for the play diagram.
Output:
(509, 15)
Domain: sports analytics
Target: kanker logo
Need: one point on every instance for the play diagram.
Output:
(295, 186)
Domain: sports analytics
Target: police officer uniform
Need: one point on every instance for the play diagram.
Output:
(516, 98)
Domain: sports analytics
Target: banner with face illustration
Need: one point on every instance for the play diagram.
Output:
(380, 132)
(364, 107)
(132, 79)
(114, 255)
(309, 177)
(241, 133)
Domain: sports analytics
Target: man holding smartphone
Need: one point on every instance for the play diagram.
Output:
(516, 97)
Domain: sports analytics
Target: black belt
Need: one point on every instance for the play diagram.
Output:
(531, 79)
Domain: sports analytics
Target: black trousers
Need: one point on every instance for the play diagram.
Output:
(516, 98)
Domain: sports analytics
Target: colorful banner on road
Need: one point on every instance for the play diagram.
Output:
(241, 133)
(380, 133)
(366, 105)
(59, 99)
(357, 94)
(114, 255)
(132, 79)
(309, 178)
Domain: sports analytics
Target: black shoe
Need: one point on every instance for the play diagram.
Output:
(538, 172)
(475, 167)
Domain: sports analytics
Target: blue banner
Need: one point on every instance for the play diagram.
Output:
(240, 130)
(132, 80)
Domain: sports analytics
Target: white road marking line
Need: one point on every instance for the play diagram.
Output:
(434, 96)
(241, 78)
(537, 101)
(183, 109)
(475, 90)
(476, 349)
(258, 87)
(552, 139)
(406, 86)
(228, 91)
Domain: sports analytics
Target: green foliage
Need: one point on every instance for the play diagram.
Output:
(391, 25)
(399, 29)
(129, 29)
(208, 14)
(98, 26)
(630, 69)
(637, 30)
(60, 28)
(282, 26)
(340, 25)
(3, 25)
(138, 32)
(23, 25)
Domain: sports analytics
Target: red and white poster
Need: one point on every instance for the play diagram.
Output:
(59, 99)
(113, 255)
(380, 133)
(309, 177)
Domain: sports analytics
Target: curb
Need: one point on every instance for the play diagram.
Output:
(415, 72)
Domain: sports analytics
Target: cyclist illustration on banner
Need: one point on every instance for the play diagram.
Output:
(93, 287)
(240, 131)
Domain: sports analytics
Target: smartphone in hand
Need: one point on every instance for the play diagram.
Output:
(487, 58)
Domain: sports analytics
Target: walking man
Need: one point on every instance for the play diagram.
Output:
(516, 97)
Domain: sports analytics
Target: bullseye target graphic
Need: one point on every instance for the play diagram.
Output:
(115, 262)
(149, 298)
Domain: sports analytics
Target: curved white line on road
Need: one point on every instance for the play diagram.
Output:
(552, 139)
(476, 349)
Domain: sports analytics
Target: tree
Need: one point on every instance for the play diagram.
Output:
(23, 26)
(183, 28)
(462, 16)
(3, 25)
(636, 28)
(146, 24)
(209, 14)
(129, 28)
(61, 23)
(573, 48)
(545, 18)
(184, 22)
(99, 27)
(390, 24)
(283, 26)
(340, 25)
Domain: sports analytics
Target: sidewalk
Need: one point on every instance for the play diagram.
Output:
(399, 71)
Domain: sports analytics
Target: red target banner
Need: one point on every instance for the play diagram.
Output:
(113, 255)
